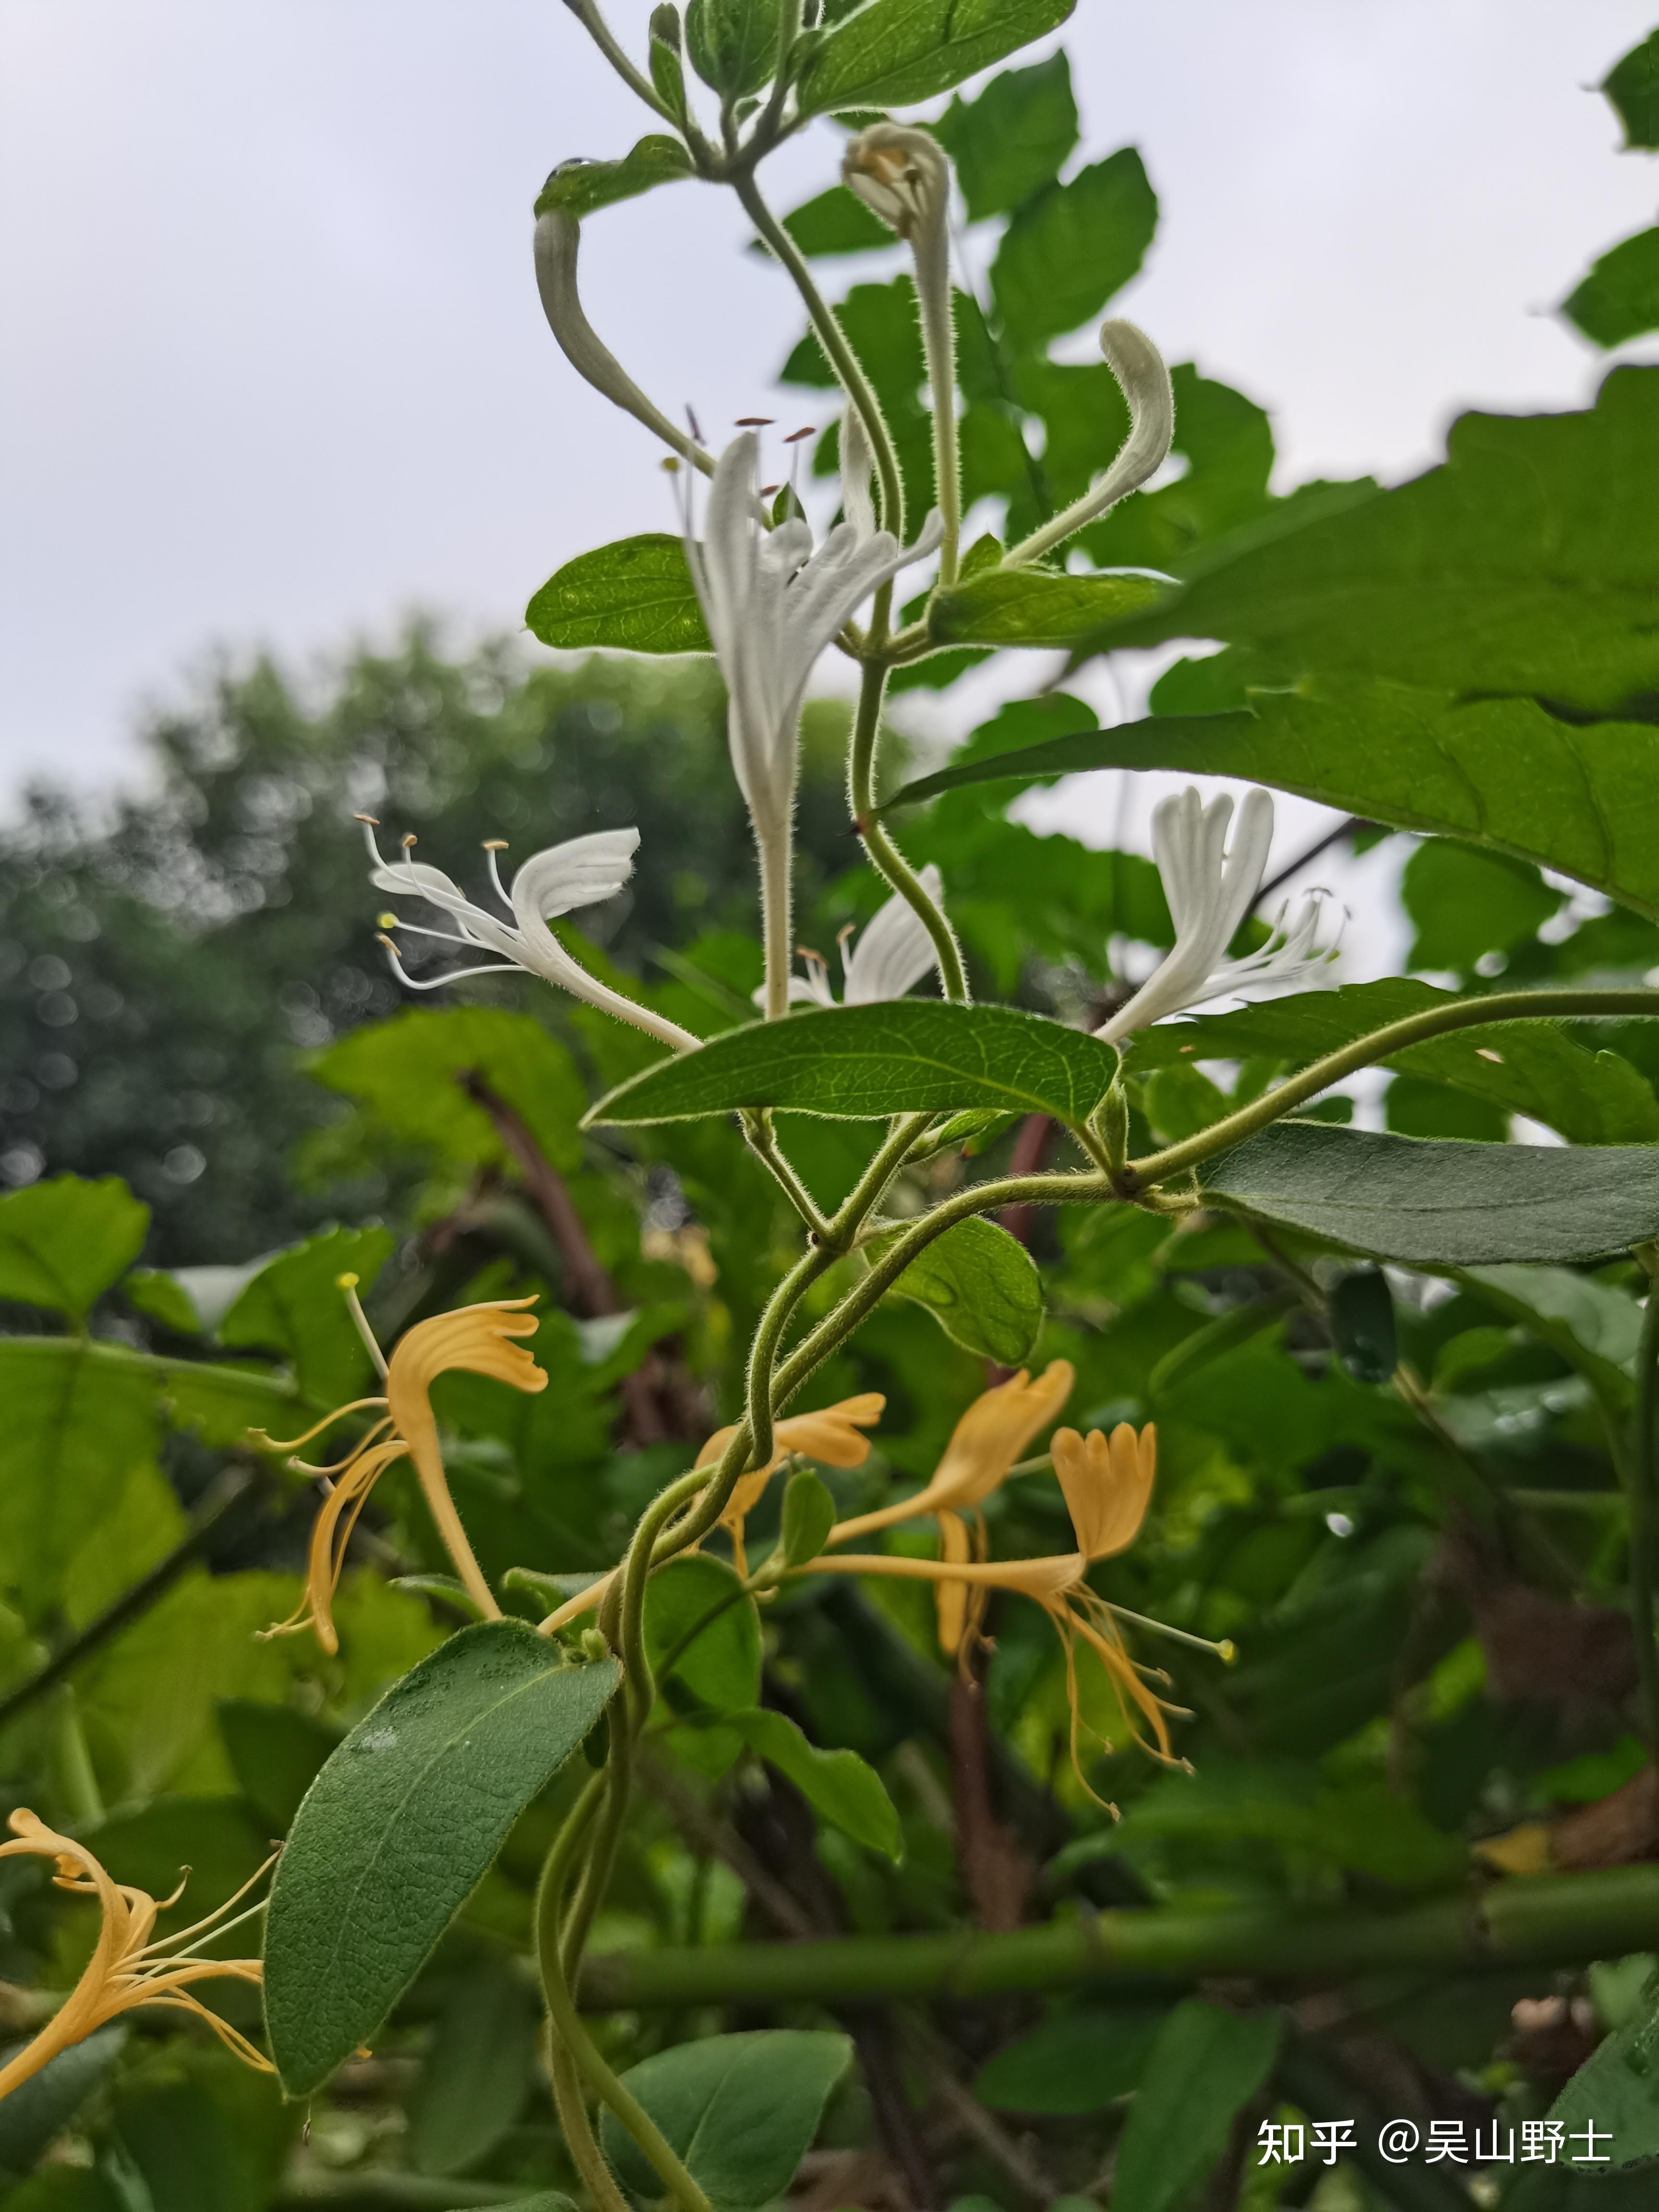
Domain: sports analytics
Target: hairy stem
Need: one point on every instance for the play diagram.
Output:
(842, 357)
(884, 856)
(763, 1140)
(776, 863)
(1382, 1044)
(586, 13)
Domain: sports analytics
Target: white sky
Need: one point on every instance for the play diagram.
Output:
(272, 367)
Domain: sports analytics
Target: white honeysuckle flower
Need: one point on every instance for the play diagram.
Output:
(1210, 892)
(772, 604)
(904, 174)
(889, 957)
(581, 871)
(1137, 364)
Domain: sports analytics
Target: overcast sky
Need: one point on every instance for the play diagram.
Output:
(272, 367)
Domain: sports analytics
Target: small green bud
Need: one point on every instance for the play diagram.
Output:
(595, 1644)
(1111, 1119)
(666, 25)
(809, 1515)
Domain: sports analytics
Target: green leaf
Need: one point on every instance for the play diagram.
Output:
(1499, 773)
(1363, 1333)
(809, 1515)
(740, 2111)
(980, 1284)
(1467, 903)
(1438, 1204)
(43, 2106)
(839, 1785)
(893, 52)
(636, 596)
(580, 188)
(64, 1241)
(1067, 252)
(1594, 1326)
(1031, 607)
(1079, 2060)
(1205, 2067)
(74, 1428)
(733, 43)
(1527, 563)
(1013, 139)
(1531, 1067)
(401, 1825)
(1616, 2090)
(721, 1663)
(296, 1309)
(1632, 86)
(837, 221)
(1619, 297)
(478, 2069)
(164, 1298)
(863, 1063)
(406, 1075)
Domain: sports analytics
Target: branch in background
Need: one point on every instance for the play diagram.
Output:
(1546, 1920)
(1349, 828)
(1032, 1146)
(995, 1872)
(222, 1497)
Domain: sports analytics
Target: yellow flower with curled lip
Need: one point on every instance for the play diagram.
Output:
(126, 1968)
(984, 1445)
(474, 1338)
(1107, 1482)
(832, 1436)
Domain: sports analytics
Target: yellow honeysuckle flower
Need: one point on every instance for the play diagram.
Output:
(474, 1338)
(126, 1969)
(831, 1435)
(984, 1444)
(1107, 1482)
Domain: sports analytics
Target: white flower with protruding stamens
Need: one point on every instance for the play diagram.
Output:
(1210, 892)
(773, 603)
(889, 957)
(582, 871)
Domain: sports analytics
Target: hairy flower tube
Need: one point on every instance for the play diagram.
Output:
(474, 1338)
(126, 1968)
(831, 1436)
(1107, 1482)
(773, 603)
(1143, 380)
(1210, 892)
(886, 959)
(904, 175)
(581, 871)
(984, 1445)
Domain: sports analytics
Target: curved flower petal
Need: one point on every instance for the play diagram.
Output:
(581, 871)
(1107, 1483)
(893, 951)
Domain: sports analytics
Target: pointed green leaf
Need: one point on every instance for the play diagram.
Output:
(1079, 2060)
(1582, 799)
(981, 1287)
(478, 2070)
(43, 2106)
(809, 1515)
(1614, 2091)
(401, 1825)
(1632, 86)
(864, 1062)
(839, 1786)
(1594, 1326)
(892, 53)
(700, 1622)
(1205, 2067)
(1437, 1203)
(635, 596)
(76, 1427)
(65, 1240)
(1032, 606)
(837, 221)
(580, 188)
(1067, 251)
(1014, 138)
(740, 2111)
(1619, 297)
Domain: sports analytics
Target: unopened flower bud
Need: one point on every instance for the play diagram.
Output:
(904, 174)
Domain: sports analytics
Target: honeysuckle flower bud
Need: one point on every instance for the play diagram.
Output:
(1210, 892)
(1137, 364)
(581, 871)
(773, 603)
(888, 957)
(477, 1338)
(127, 1967)
(558, 241)
(904, 175)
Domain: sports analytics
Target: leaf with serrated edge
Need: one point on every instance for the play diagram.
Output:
(858, 1063)
(1438, 1203)
(402, 1824)
(64, 1240)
